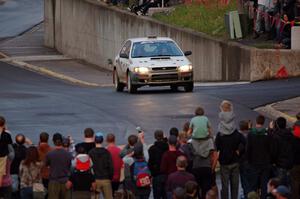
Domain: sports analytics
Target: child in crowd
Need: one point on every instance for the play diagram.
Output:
(226, 116)
(200, 127)
(82, 179)
(5, 141)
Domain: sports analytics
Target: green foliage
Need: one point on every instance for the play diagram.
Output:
(202, 17)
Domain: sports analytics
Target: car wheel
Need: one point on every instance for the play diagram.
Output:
(131, 88)
(174, 88)
(118, 85)
(189, 87)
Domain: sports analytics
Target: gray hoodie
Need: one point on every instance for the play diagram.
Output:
(201, 150)
(227, 124)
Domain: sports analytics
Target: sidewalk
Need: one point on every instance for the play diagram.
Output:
(287, 109)
(27, 51)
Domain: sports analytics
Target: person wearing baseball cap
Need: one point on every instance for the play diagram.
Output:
(103, 167)
(282, 192)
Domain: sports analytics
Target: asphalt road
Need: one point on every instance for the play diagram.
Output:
(33, 103)
(17, 16)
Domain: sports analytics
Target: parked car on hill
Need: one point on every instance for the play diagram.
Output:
(152, 61)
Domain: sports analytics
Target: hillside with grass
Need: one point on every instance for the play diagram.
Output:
(207, 17)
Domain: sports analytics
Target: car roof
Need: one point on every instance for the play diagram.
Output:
(140, 39)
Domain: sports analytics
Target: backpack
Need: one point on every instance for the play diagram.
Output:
(141, 174)
(296, 129)
(82, 166)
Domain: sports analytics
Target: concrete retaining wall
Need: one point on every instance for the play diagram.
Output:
(94, 32)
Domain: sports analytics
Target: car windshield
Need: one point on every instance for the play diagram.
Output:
(155, 49)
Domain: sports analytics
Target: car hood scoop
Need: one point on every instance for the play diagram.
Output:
(160, 58)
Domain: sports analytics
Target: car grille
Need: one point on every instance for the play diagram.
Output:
(166, 68)
(164, 77)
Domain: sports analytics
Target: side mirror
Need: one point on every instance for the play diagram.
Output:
(124, 55)
(187, 53)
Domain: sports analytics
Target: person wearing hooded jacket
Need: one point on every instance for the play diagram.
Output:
(259, 157)
(156, 152)
(295, 172)
(283, 148)
(230, 144)
(201, 150)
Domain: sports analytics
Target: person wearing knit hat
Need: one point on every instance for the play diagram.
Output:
(82, 180)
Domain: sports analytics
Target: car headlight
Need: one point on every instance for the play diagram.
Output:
(142, 70)
(186, 68)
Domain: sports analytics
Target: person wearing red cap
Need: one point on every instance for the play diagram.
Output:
(82, 180)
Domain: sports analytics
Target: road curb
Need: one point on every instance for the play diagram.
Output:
(3, 55)
(51, 73)
(272, 113)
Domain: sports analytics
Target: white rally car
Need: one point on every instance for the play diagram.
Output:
(152, 61)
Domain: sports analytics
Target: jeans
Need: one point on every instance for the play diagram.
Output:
(261, 10)
(15, 182)
(259, 176)
(26, 193)
(230, 175)
(244, 174)
(104, 187)
(158, 184)
(204, 179)
(295, 179)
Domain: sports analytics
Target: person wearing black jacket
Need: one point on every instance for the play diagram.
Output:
(20, 154)
(103, 167)
(283, 148)
(155, 155)
(295, 172)
(259, 156)
(230, 148)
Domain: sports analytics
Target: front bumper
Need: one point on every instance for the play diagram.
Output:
(162, 78)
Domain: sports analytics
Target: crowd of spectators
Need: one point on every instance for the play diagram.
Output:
(274, 18)
(182, 165)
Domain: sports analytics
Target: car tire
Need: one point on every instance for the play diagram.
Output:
(118, 85)
(189, 87)
(131, 88)
(174, 88)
